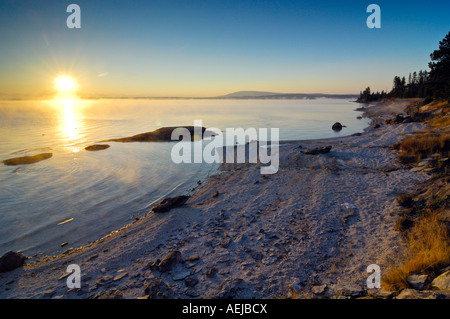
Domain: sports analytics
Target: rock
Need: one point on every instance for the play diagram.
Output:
(225, 242)
(319, 290)
(92, 257)
(120, 276)
(158, 289)
(336, 126)
(400, 119)
(48, 293)
(164, 134)
(104, 280)
(191, 281)
(380, 294)
(27, 159)
(417, 281)
(109, 294)
(210, 272)
(417, 169)
(153, 265)
(423, 294)
(353, 291)
(169, 261)
(296, 285)
(96, 147)
(11, 260)
(229, 289)
(442, 282)
(349, 210)
(180, 275)
(319, 150)
(193, 258)
(170, 202)
(191, 261)
(257, 255)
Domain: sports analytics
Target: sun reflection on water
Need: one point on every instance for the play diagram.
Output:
(70, 122)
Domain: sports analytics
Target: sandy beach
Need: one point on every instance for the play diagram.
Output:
(308, 231)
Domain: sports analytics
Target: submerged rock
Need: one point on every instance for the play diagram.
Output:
(164, 134)
(27, 159)
(11, 260)
(96, 147)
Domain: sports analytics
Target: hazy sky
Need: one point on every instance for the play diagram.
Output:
(208, 48)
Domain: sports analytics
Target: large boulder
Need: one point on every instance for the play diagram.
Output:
(11, 260)
(337, 126)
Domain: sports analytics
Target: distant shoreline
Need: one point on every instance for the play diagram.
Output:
(269, 96)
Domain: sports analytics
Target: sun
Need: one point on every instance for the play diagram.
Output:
(65, 84)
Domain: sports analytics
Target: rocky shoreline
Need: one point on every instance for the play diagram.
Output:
(308, 231)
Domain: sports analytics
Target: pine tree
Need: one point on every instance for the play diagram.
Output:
(440, 69)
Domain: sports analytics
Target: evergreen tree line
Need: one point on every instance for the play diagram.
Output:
(433, 84)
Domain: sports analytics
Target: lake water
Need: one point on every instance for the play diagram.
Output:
(102, 191)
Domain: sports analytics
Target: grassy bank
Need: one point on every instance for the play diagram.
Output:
(424, 219)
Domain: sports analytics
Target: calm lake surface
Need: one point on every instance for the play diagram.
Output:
(102, 191)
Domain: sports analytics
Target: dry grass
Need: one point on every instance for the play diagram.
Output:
(440, 111)
(414, 148)
(422, 221)
(443, 121)
(428, 249)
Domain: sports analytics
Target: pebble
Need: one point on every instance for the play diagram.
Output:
(120, 276)
(181, 275)
(319, 289)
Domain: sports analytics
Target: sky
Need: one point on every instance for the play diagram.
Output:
(209, 48)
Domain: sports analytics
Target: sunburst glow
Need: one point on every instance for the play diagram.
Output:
(65, 85)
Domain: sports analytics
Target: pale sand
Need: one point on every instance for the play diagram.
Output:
(322, 219)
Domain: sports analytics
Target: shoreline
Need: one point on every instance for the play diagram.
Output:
(318, 222)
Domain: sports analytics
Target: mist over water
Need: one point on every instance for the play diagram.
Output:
(105, 190)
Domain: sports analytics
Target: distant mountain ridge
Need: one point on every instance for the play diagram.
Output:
(272, 95)
(240, 94)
